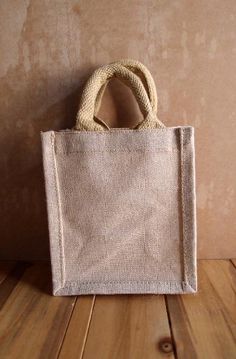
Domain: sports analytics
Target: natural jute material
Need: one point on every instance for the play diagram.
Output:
(121, 202)
(140, 70)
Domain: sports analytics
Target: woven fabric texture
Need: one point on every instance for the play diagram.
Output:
(139, 69)
(121, 204)
(94, 86)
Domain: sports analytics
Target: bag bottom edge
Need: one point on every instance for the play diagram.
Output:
(103, 289)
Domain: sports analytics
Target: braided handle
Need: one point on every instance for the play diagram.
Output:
(144, 74)
(85, 117)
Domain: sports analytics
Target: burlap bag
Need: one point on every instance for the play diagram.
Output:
(121, 202)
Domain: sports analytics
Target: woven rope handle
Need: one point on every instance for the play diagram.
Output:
(144, 74)
(85, 117)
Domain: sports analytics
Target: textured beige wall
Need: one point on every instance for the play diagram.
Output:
(48, 48)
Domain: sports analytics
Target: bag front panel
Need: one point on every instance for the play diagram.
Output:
(120, 199)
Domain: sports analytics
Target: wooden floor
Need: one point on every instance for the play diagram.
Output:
(34, 324)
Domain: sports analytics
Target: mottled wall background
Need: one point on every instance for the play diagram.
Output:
(48, 49)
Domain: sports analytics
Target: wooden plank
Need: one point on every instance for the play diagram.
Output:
(5, 268)
(129, 326)
(32, 321)
(73, 345)
(10, 278)
(204, 325)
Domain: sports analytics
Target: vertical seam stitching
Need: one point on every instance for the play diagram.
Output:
(61, 255)
(183, 205)
(145, 210)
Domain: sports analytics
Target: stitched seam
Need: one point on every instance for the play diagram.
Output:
(120, 151)
(171, 286)
(145, 210)
(183, 204)
(76, 132)
(58, 210)
(123, 282)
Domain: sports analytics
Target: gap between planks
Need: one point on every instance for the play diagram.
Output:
(79, 324)
(128, 326)
(204, 324)
(170, 326)
(32, 321)
(233, 261)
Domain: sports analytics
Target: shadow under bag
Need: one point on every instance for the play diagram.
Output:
(121, 202)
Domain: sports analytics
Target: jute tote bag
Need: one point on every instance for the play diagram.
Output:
(121, 202)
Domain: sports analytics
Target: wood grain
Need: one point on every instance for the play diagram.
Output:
(205, 324)
(76, 335)
(34, 324)
(11, 275)
(124, 327)
(32, 321)
(5, 268)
